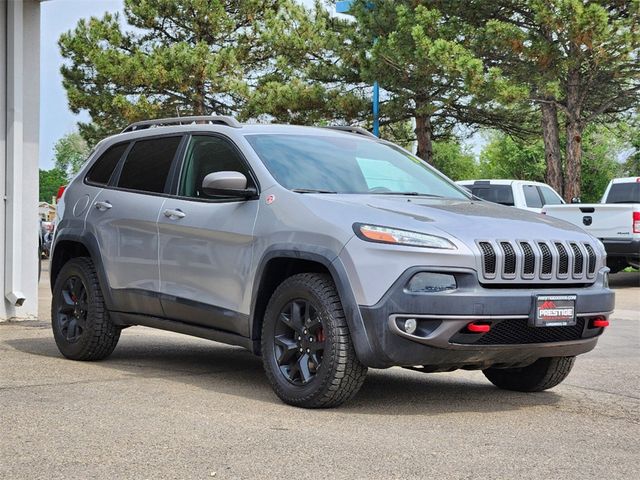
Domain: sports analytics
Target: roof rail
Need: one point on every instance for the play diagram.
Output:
(356, 130)
(160, 122)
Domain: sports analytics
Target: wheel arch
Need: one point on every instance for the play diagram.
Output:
(70, 245)
(279, 264)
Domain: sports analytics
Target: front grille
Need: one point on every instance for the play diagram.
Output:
(489, 258)
(529, 259)
(591, 268)
(578, 259)
(518, 331)
(563, 266)
(525, 262)
(509, 258)
(547, 259)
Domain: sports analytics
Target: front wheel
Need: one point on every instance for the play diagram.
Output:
(543, 374)
(307, 351)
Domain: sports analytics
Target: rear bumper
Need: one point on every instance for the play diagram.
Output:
(441, 341)
(622, 248)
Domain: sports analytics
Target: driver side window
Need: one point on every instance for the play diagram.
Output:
(208, 154)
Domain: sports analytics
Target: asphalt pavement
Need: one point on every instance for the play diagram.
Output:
(170, 406)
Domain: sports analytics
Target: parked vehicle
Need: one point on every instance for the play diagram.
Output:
(521, 194)
(325, 251)
(615, 221)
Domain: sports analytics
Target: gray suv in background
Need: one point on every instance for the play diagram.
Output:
(326, 251)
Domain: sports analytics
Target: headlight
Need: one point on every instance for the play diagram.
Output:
(378, 234)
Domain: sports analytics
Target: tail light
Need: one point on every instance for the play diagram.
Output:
(60, 192)
(636, 222)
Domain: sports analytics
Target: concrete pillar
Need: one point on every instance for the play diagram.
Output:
(19, 137)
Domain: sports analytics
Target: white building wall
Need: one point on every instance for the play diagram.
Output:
(19, 137)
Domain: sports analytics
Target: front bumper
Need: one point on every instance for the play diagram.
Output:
(441, 341)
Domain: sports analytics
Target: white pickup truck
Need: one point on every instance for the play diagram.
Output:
(615, 221)
(523, 194)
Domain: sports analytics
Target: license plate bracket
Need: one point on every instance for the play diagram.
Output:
(553, 311)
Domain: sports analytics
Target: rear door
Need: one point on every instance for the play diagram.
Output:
(206, 242)
(124, 217)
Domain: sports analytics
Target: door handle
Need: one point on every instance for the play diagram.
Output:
(177, 213)
(103, 206)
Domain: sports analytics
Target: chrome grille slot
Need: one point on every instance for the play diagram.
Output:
(547, 259)
(532, 262)
(591, 265)
(578, 259)
(488, 258)
(563, 261)
(529, 264)
(509, 267)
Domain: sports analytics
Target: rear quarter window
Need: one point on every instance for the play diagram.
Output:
(103, 168)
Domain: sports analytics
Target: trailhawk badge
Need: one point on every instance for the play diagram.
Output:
(554, 311)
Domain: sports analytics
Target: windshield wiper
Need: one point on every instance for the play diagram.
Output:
(413, 194)
(311, 190)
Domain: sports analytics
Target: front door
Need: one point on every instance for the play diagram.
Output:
(206, 243)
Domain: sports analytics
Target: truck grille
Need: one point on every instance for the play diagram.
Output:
(527, 262)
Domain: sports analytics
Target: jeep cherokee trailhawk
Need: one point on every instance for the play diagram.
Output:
(324, 250)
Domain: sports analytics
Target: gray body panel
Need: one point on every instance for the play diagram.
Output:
(202, 272)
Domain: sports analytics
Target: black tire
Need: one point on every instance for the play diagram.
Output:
(543, 374)
(335, 374)
(80, 321)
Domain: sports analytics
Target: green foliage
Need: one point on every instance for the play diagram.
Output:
(192, 57)
(601, 149)
(456, 163)
(70, 153)
(510, 158)
(50, 181)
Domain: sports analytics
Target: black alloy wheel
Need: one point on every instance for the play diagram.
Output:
(72, 309)
(299, 341)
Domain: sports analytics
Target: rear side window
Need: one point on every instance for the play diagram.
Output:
(550, 197)
(103, 168)
(532, 196)
(624, 193)
(148, 163)
(494, 193)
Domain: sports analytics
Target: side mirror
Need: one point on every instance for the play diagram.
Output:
(576, 200)
(227, 184)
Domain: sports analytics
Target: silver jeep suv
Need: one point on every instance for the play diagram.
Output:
(326, 251)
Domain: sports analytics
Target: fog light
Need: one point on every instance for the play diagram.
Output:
(425, 282)
(410, 325)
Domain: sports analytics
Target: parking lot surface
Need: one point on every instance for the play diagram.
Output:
(170, 406)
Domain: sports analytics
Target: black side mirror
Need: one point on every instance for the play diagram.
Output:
(576, 200)
(227, 184)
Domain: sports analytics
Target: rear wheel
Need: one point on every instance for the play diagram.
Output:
(543, 374)
(81, 324)
(307, 351)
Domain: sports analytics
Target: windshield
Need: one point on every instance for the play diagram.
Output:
(347, 164)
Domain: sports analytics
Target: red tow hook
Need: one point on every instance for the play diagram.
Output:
(478, 327)
(600, 322)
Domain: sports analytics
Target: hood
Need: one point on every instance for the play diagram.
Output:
(467, 220)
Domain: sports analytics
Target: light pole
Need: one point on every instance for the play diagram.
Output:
(344, 7)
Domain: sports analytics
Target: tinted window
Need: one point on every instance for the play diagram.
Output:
(101, 171)
(205, 155)
(532, 196)
(148, 163)
(624, 193)
(347, 164)
(550, 197)
(494, 193)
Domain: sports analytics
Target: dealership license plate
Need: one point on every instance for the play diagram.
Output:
(554, 311)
